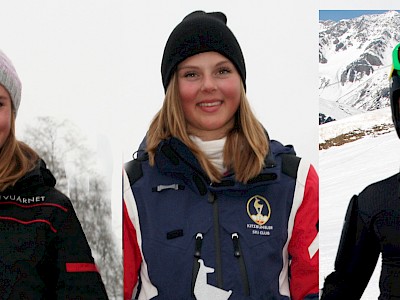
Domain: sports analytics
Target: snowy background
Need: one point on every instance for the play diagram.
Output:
(64, 54)
(97, 64)
(354, 62)
(278, 40)
(346, 170)
(361, 146)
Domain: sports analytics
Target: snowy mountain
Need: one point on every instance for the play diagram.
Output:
(354, 63)
(366, 150)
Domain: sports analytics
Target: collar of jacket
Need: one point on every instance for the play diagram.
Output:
(173, 158)
(40, 175)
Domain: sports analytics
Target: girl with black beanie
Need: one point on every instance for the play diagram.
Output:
(214, 209)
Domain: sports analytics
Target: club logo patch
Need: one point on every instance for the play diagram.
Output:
(258, 209)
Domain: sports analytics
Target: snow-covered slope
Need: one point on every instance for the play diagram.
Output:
(346, 170)
(354, 63)
(373, 123)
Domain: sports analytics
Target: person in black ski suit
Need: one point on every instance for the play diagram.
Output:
(372, 226)
(43, 250)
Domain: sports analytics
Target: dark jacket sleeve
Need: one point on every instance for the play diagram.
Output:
(78, 276)
(356, 259)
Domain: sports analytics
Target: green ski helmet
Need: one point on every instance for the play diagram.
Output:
(395, 88)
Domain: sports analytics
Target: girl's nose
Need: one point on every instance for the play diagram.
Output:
(208, 84)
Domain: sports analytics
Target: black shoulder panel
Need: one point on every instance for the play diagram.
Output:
(134, 171)
(290, 164)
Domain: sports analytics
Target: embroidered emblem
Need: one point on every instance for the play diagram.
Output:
(258, 209)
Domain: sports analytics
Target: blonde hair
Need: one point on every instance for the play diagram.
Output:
(246, 144)
(16, 159)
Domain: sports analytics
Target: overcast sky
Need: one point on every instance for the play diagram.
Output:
(97, 62)
(280, 59)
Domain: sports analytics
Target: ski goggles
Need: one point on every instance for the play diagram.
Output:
(395, 89)
(396, 62)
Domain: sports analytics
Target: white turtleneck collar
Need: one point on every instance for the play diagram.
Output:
(214, 150)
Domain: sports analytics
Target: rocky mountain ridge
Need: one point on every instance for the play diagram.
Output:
(354, 63)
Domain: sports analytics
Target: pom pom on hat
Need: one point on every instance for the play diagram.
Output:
(201, 32)
(9, 80)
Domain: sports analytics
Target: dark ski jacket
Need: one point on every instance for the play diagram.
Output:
(43, 250)
(185, 237)
(372, 226)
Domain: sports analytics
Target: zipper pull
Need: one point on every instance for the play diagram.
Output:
(211, 197)
(236, 248)
(199, 242)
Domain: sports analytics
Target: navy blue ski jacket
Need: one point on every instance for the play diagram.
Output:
(188, 238)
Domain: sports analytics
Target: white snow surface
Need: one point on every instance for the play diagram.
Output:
(346, 170)
(337, 110)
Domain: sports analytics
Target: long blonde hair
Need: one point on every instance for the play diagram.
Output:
(245, 148)
(16, 159)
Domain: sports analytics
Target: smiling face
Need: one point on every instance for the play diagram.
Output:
(5, 115)
(209, 89)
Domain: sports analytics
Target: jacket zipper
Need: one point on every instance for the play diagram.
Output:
(237, 252)
(196, 257)
(217, 237)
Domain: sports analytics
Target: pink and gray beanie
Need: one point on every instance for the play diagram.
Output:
(9, 80)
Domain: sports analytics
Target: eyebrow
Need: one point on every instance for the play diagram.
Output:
(196, 67)
(4, 100)
(224, 62)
